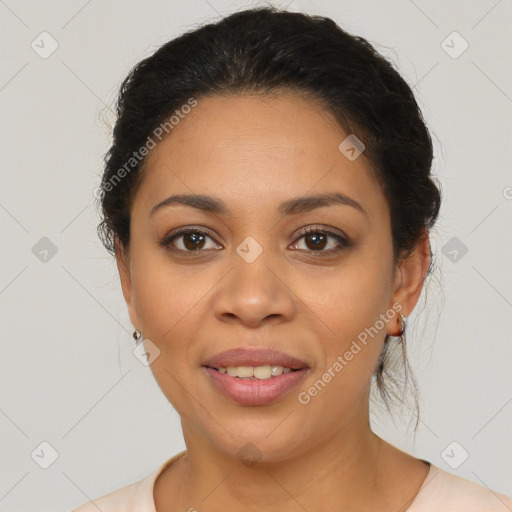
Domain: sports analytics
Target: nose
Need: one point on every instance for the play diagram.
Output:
(255, 294)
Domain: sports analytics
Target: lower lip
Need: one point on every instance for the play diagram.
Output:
(256, 391)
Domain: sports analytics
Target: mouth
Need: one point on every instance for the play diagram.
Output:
(255, 377)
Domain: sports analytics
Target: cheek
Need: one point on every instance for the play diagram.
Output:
(348, 307)
(350, 298)
(168, 299)
(168, 296)
(352, 303)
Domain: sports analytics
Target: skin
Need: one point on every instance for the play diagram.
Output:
(255, 153)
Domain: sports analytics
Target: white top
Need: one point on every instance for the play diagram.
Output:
(440, 492)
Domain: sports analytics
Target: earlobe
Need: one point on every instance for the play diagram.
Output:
(123, 266)
(411, 276)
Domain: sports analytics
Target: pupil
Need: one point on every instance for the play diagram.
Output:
(316, 239)
(195, 237)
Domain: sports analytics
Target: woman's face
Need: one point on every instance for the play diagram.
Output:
(248, 281)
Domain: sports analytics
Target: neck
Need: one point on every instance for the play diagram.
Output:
(343, 468)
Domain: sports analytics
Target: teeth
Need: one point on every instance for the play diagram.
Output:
(258, 372)
(245, 371)
(277, 370)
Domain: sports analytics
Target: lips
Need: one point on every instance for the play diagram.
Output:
(252, 391)
(254, 357)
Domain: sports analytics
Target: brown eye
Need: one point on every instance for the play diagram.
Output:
(193, 240)
(188, 240)
(316, 241)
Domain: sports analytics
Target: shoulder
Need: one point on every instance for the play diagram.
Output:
(120, 500)
(445, 491)
(130, 498)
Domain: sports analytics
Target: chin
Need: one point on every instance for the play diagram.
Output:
(260, 441)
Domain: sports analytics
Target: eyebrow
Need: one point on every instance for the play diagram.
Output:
(290, 207)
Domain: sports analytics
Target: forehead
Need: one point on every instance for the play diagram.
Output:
(256, 151)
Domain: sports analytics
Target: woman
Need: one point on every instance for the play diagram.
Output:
(268, 199)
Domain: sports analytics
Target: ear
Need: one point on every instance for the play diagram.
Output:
(408, 283)
(123, 266)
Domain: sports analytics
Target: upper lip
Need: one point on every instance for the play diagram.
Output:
(254, 357)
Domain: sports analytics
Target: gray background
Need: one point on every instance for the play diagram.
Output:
(68, 374)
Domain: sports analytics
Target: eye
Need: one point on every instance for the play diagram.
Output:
(187, 240)
(317, 239)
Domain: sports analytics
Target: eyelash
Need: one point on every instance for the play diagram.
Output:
(345, 243)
